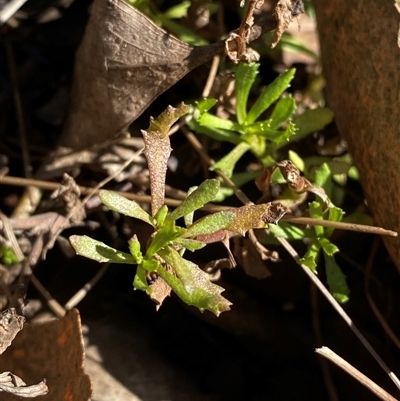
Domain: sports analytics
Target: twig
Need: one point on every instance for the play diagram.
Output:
(356, 374)
(326, 372)
(79, 295)
(340, 225)
(292, 252)
(372, 304)
(211, 76)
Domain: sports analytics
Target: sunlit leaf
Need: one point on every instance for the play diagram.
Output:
(251, 216)
(228, 162)
(134, 249)
(178, 11)
(205, 193)
(245, 76)
(323, 179)
(127, 207)
(211, 121)
(206, 104)
(140, 281)
(315, 210)
(209, 224)
(288, 231)
(192, 284)
(269, 95)
(190, 244)
(158, 149)
(328, 247)
(310, 258)
(283, 111)
(163, 237)
(96, 250)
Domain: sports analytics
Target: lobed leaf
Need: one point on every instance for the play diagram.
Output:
(310, 258)
(158, 149)
(336, 280)
(192, 284)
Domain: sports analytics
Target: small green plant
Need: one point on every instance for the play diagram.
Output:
(264, 137)
(163, 262)
(261, 137)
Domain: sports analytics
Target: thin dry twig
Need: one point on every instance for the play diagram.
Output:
(326, 371)
(292, 252)
(356, 374)
(385, 325)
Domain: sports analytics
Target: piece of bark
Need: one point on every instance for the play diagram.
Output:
(361, 61)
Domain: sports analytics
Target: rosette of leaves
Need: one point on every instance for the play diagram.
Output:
(252, 131)
(162, 264)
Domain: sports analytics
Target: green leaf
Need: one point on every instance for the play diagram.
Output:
(190, 244)
(288, 231)
(124, 206)
(188, 218)
(98, 251)
(315, 210)
(335, 214)
(150, 265)
(297, 160)
(193, 285)
(245, 76)
(205, 193)
(336, 280)
(328, 247)
(134, 249)
(140, 281)
(263, 129)
(217, 134)
(164, 236)
(310, 258)
(183, 33)
(283, 111)
(161, 215)
(323, 179)
(211, 121)
(228, 162)
(178, 11)
(269, 95)
(210, 224)
(312, 121)
(206, 104)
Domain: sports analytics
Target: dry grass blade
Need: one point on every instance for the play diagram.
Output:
(352, 371)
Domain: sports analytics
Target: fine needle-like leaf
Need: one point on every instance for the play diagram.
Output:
(245, 76)
(269, 95)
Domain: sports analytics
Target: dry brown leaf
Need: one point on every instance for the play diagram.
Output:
(52, 351)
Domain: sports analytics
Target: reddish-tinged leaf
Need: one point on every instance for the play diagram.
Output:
(157, 151)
